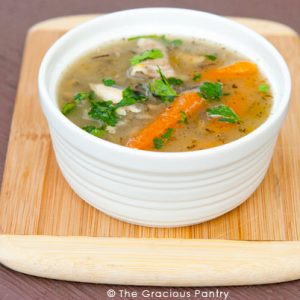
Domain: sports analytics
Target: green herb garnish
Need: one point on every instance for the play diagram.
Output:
(104, 111)
(68, 107)
(211, 91)
(130, 97)
(183, 117)
(96, 131)
(108, 82)
(148, 54)
(84, 96)
(197, 76)
(224, 114)
(161, 88)
(167, 134)
(175, 81)
(211, 57)
(263, 88)
(158, 143)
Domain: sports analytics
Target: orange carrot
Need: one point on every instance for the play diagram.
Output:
(235, 70)
(187, 103)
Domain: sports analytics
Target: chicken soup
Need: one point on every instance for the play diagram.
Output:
(161, 93)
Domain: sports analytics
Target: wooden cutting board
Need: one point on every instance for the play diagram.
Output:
(37, 205)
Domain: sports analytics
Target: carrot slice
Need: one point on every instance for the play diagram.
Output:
(235, 70)
(188, 103)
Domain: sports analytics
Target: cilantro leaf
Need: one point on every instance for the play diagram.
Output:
(108, 82)
(224, 113)
(211, 91)
(263, 88)
(83, 96)
(167, 134)
(104, 111)
(130, 97)
(197, 76)
(158, 143)
(175, 81)
(68, 107)
(211, 57)
(183, 117)
(147, 54)
(162, 88)
(96, 131)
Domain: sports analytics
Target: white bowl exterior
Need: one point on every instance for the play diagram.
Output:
(162, 189)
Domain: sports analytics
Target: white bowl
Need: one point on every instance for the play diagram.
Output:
(152, 188)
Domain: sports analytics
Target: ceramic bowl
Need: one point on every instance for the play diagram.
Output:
(153, 188)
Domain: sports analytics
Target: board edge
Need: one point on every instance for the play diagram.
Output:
(123, 260)
(265, 27)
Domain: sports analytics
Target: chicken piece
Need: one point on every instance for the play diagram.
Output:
(107, 92)
(149, 67)
(186, 58)
(115, 95)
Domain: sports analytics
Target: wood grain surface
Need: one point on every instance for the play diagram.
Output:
(15, 285)
(35, 198)
(146, 261)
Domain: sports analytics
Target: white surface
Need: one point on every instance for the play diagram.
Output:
(162, 189)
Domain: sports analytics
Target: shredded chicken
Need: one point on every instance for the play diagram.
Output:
(188, 58)
(107, 92)
(115, 95)
(149, 67)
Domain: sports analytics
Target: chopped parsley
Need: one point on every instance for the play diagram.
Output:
(108, 82)
(83, 96)
(167, 134)
(147, 54)
(68, 107)
(211, 57)
(183, 117)
(166, 41)
(104, 111)
(130, 97)
(158, 142)
(263, 88)
(211, 91)
(175, 81)
(161, 88)
(197, 76)
(223, 113)
(96, 131)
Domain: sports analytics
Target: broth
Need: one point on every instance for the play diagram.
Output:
(234, 100)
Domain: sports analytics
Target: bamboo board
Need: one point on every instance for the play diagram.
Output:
(37, 201)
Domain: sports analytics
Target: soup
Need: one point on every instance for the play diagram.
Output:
(161, 93)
